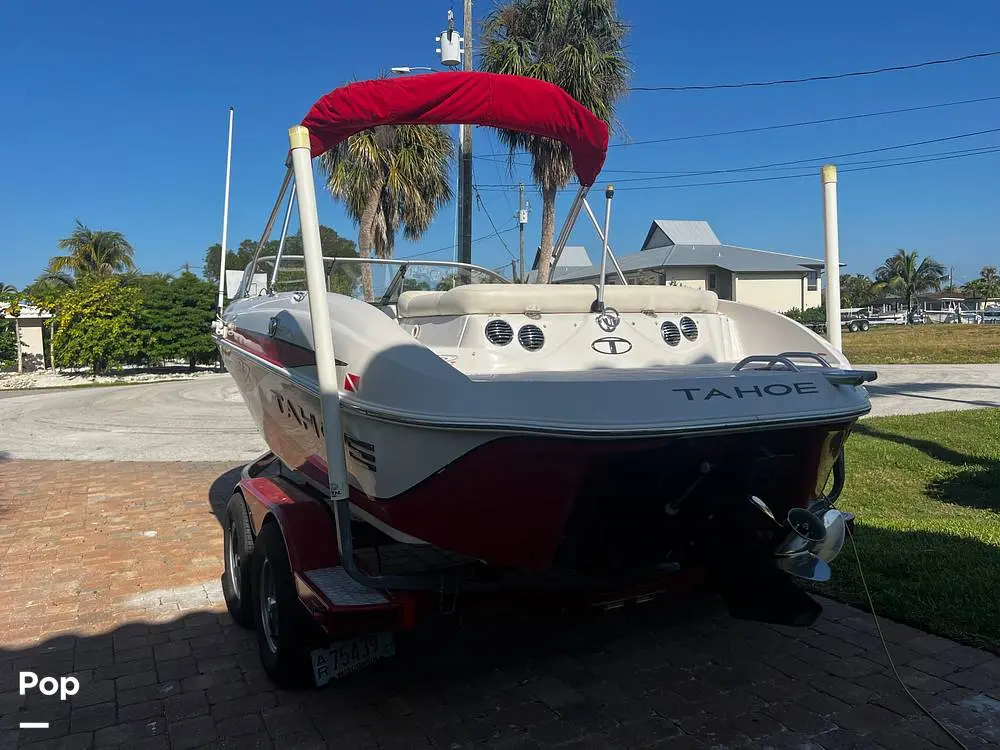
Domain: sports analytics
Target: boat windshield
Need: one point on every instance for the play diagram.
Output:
(372, 280)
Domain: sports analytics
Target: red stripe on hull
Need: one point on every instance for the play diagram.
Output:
(521, 501)
(274, 350)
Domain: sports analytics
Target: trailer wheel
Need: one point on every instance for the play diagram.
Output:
(865, 325)
(285, 632)
(853, 326)
(237, 587)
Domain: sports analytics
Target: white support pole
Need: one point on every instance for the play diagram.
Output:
(319, 313)
(828, 174)
(600, 235)
(225, 216)
(609, 193)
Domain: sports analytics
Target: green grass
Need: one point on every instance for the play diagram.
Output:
(926, 492)
(937, 343)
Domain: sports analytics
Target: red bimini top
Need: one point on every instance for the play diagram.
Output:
(510, 102)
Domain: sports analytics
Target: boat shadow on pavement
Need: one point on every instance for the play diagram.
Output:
(221, 490)
(625, 679)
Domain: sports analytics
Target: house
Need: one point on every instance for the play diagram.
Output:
(573, 257)
(28, 323)
(688, 253)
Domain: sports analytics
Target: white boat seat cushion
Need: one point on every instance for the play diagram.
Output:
(512, 299)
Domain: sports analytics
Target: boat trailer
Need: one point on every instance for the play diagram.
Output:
(284, 577)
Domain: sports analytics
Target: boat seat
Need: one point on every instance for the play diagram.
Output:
(665, 299)
(513, 299)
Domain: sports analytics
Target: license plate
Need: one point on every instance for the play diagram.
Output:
(343, 657)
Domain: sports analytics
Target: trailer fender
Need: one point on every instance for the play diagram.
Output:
(306, 525)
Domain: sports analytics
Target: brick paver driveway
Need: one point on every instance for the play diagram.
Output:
(107, 576)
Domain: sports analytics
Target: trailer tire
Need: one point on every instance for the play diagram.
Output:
(285, 631)
(237, 577)
(865, 325)
(853, 326)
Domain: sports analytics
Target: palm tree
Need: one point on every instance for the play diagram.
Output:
(902, 274)
(388, 177)
(100, 253)
(991, 281)
(575, 44)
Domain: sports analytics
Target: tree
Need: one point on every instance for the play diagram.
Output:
(416, 285)
(343, 279)
(155, 317)
(177, 313)
(236, 260)
(193, 312)
(99, 324)
(809, 315)
(10, 344)
(48, 289)
(905, 276)
(857, 290)
(388, 177)
(990, 282)
(100, 253)
(575, 44)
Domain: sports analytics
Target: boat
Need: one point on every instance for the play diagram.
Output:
(569, 432)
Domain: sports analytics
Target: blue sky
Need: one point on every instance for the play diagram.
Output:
(116, 113)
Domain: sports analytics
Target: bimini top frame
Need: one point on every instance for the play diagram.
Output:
(502, 101)
(509, 102)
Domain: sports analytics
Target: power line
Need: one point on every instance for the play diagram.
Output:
(497, 157)
(479, 200)
(831, 77)
(452, 245)
(798, 165)
(804, 123)
(812, 173)
(759, 167)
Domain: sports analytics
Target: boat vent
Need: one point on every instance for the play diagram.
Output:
(531, 337)
(689, 328)
(499, 332)
(671, 334)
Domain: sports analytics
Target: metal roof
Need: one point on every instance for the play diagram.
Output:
(726, 257)
(674, 232)
(573, 256)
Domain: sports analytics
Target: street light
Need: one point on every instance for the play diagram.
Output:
(403, 69)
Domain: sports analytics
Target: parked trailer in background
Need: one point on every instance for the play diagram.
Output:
(853, 319)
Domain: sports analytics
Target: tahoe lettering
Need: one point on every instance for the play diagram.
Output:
(756, 391)
(296, 412)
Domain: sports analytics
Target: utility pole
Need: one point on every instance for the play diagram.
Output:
(465, 158)
(522, 219)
